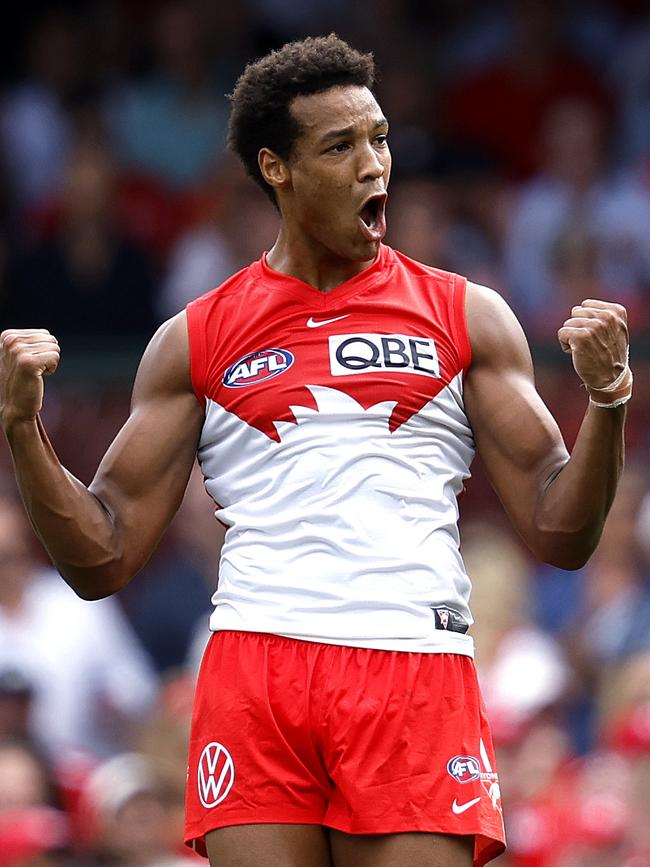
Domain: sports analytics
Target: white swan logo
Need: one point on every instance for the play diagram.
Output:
(216, 774)
(330, 403)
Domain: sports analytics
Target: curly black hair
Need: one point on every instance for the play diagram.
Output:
(260, 113)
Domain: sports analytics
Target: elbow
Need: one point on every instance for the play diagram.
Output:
(93, 584)
(566, 550)
(569, 561)
(92, 594)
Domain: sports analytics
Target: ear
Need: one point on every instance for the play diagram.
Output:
(274, 169)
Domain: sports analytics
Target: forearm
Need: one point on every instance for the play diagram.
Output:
(574, 501)
(75, 528)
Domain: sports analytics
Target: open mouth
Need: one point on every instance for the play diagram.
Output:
(371, 210)
(372, 216)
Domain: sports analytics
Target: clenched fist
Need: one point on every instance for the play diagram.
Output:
(26, 356)
(596, 335)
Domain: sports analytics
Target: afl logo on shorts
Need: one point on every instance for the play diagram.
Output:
(464, 769)
(258, 367)
(216, 774)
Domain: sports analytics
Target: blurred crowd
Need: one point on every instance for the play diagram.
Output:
(521, 146)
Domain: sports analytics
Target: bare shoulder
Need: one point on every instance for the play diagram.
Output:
(495, 335)
(165, 364)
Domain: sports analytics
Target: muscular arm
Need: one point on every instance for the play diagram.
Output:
(558, 503)
(99, 537)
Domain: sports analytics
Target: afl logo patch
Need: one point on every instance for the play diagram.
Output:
(258, 367)
(216, 774)
(464, 769)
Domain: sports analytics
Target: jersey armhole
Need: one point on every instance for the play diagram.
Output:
(461, 335)
(198, 356)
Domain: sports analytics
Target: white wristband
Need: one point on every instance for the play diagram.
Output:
(614, 403)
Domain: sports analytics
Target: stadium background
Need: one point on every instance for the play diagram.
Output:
(521, 145)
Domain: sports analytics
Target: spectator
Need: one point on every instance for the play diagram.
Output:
(88, 279)
(407, 95)
(575, 196)
(35, 837)
(421, 221)
(426, 226)
(35, 124)
(601, 613)
(127, 806)
(624, 706)
(34, 831)
(199, 261)
(631, 75)
(16, 694)
(251, 224)
(173, 123)
(477, 37)
(522, 670)
(203, 255)
(615, 618)
(91, 681)
(499, 108)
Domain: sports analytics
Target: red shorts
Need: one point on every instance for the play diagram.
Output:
(364, 741)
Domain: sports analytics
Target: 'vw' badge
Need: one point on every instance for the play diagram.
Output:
(216, 774)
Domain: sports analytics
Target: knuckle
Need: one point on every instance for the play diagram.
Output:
(9, 338)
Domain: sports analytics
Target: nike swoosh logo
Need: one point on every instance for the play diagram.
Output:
(311, 323)
(460, 808)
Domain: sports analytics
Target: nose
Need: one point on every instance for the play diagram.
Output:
(371, 166)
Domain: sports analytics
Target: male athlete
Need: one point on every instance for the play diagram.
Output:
(335, 391)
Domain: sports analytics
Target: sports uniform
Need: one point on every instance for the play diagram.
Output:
(338, 686)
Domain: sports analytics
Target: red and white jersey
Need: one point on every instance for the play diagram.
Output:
(335, 445)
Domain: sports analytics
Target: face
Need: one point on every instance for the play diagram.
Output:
(332, 190)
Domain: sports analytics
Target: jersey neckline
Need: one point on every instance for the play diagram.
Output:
(313, 296)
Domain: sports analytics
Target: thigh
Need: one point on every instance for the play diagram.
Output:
(396, 850)
(269, 846)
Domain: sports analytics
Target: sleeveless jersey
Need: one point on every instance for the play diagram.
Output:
(335, 445)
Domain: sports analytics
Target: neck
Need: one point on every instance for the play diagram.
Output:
(299, 257)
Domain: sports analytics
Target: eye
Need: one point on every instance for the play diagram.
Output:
(382, 139)
(340, 148)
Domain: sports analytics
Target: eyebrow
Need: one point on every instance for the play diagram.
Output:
(347, 130)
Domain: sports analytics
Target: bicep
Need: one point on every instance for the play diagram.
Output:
(516, 436)
(142, 478)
